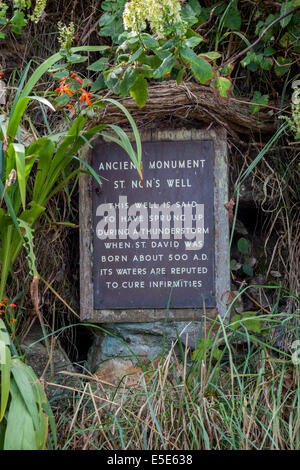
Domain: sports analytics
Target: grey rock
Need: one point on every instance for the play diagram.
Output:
(139, 341)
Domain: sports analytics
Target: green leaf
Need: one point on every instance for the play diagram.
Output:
(249, 319)
(203, 72)
(266, 63)
(16, 117)
(248, 270)
(210, 55)
(99, 65)
(18, 19)
(26, 392)
(286, 7)
(165, 67)
(188, 14)
(195, 5)
(139, 91)
(193, 41)
(76, 58)
(130, 77)
(134, 128)
(252, 321)
(136, 55)
(189, 55)
(282, 66)
(243, 245)
(5, 368)
(223, 85)
(149, 41)
(18, 152)
(268, 51)
(98, 84)
(18, 418)
(180, 76)
(233, 19)
(259, 99)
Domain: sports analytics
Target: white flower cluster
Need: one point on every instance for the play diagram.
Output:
(39, 8)
(65, 34)
(158, 13)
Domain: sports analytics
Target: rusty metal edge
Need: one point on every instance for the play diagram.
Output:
(222, 260)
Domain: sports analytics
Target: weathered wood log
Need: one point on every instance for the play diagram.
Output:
(195, 102)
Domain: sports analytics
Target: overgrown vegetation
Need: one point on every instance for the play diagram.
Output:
(239, 387)
(239, 391)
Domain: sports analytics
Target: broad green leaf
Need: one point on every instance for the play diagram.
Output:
(136, 55)
(258, 98)
(188, 14)
(266, 63)
(195, 5)
(193, 41)
(26, 392)
(223, 85)
(269, 51)
(286, 7)
(99, 65)
(149, 41)
(31, 215)
(282, 66)
(5, 381)
(252, 321)
(19, 90)
(43, 406)
(19, 434)
(17, 116)
(243, 245)
(139, 91)
(5, 368)
(203, 72)
(233, 19)
(76, 59)
(130, 77)
(165, 67)
(189, 56)
(18, 19)
(98, 84)
(210, 55)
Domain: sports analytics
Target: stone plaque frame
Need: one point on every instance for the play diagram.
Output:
(222, 260)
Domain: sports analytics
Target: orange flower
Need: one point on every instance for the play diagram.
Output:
(85, 97)
(65, 89)
(13, 320)
(12, 305)
(71, 108)
(77, 78)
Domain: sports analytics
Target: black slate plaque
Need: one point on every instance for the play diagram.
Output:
(154, 242)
